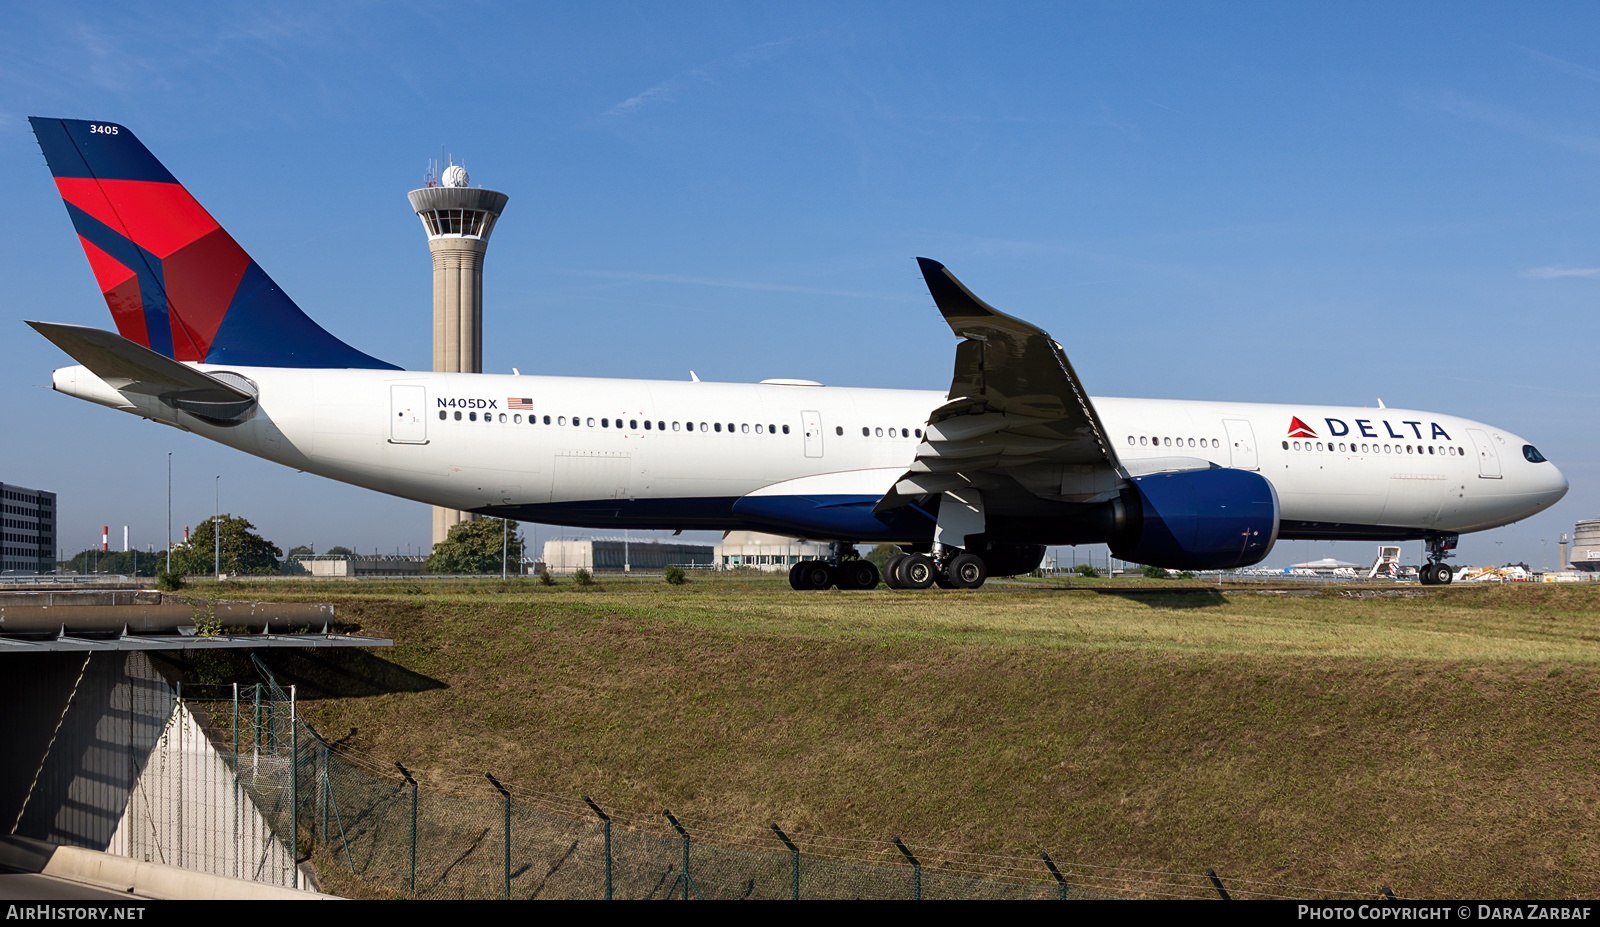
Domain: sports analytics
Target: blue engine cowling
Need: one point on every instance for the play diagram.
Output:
(1215, 519)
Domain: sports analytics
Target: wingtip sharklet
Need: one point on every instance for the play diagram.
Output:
(962, 309)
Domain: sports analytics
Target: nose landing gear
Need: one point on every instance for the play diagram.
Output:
(1436, 572)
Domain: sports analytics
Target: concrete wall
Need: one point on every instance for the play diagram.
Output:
(101, 755)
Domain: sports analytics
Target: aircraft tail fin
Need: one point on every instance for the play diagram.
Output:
(175, 281)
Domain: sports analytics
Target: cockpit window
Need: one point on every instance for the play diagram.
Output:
(1532, 454)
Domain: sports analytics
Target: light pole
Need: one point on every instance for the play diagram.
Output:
(216, 528)
(169, 511)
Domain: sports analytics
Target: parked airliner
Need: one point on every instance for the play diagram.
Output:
(968, 483)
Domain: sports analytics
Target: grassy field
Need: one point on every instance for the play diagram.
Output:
(1442, 743)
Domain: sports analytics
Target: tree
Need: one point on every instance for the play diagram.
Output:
(474, 547)
(880, 555)
(126, 562)
(338, 551)
(243, 551)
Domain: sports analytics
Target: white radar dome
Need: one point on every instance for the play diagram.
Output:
(455, 176)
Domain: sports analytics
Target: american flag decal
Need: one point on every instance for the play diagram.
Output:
(523, 404)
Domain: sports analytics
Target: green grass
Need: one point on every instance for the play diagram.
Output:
(1443, 744)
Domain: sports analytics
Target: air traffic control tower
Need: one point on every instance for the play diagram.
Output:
(458, 220)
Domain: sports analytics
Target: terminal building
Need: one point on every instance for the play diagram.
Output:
(1586, 546)
(29, 536)
(354, 566)
(615, 555)
(769, 553)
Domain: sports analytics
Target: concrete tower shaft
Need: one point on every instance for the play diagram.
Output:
(458, 220)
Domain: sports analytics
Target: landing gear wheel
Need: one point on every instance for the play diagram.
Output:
(794, 576)
(813, 574)
(858, 574)
(891, 571)
(1442, 574)
(917, 572)
(966, 571)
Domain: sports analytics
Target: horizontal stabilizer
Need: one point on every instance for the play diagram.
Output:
(131, 367)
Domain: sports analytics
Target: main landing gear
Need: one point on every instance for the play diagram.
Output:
(957, 569)
(844, 569)
(1436, 572)
(952, 568)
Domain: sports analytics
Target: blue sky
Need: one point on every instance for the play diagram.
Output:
(1273, 202)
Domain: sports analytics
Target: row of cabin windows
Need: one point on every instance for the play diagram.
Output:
(515, 418)
(878, 432)
(632, 424)
(1353, 448)
(1146, 441)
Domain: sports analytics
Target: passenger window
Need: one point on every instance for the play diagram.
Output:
(745, 429)
(472, 416)
(591, 421)
(441, 415)
(865, 433)
(786, 429)
(634, 424)
(838, 429)
(503, 418)
(516, 419)
(458, 416)
(716, 426)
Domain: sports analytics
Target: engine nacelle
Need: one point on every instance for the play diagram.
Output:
(1215, 519)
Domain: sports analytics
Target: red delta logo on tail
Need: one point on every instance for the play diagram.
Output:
(175, 281)
(1299, 429)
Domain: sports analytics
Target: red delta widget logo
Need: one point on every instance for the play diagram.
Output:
(1364, 427)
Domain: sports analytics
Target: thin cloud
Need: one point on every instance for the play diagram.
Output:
(1564, 66)
(1556, 273)
(1509, 120)
(730, 284)
(668, 90)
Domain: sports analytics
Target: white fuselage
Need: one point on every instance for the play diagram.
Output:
(645, 453)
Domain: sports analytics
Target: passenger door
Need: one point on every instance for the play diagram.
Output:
(1241, 444)
(408, 414)
(813, 426)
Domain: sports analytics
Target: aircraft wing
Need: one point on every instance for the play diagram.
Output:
(1019, 423)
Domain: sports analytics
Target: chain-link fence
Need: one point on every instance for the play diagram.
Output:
(371, 830)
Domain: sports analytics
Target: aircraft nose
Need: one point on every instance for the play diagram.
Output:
(1556, 485)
